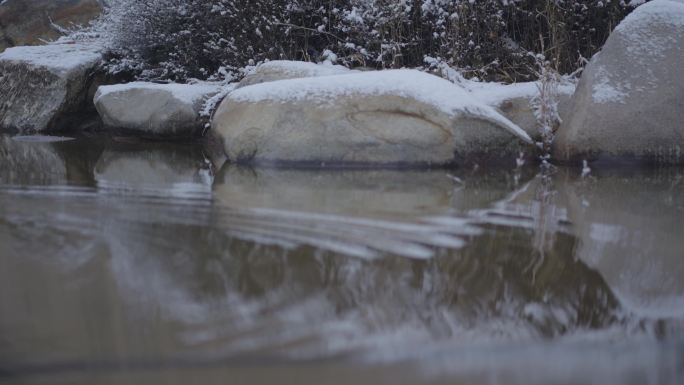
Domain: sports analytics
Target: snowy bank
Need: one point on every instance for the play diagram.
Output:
(44, 86)
(630, 100)
(155, 109)
(393, 116)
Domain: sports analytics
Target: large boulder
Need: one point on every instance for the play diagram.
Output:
(629, 103)
(30, 22)
(151, 109)
(384, 117)
(46, 87)
(285, 69)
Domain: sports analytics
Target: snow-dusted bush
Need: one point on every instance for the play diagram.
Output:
(491, 39)
(179, 39)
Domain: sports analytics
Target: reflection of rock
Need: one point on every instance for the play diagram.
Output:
(30, 163)
(161, 277)
(40, 160)
(152, 109)
(27, 22)
(170, 284)
(629, 103)
(46, 87)
(161, 170)
(283, 69)
(627, 225)
(346, 192)
(358, 213)
(361, 213)
(383, 117)
(630, 229)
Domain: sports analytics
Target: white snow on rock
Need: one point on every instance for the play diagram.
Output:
(429, 89)
(665, 12)
(643, 47)
(285, 69)
(61, 58)
(604, 91)
(303, 68)
(186, 93)
(493, 94)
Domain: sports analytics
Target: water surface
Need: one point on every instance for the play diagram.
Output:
(125, 262)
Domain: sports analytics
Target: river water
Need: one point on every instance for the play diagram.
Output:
(139, 263)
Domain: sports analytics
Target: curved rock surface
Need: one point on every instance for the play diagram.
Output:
(629, 103)
(154, 109)
(43, 87)
(285, 69)
(384, 117)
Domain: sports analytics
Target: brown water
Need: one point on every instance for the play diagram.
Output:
(141, 263)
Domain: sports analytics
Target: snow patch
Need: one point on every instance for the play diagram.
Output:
(303, 69)
(187, 93)
(55, 57)
(606, 90)
(494, 94)
(41, 138)
(637, 28)
(646, 36)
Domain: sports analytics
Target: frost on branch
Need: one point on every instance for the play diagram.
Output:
(545, 105)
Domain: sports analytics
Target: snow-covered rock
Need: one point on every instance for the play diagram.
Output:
(154, 109)
(514, 101)
(395, 116)
(630, 100)
(43, 87)
(284, 69)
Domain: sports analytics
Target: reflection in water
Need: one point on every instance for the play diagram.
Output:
(358, 213)
(142, 257)
(631, 226)
(179, 171)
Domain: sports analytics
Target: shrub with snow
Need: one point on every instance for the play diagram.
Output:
(488, 39)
